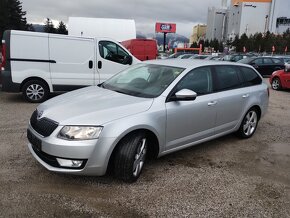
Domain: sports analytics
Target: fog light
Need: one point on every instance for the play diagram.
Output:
(69, 163)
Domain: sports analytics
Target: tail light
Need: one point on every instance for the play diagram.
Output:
(3, 55)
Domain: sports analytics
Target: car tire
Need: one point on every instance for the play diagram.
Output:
(35, 91)
(276, 84)
(130, 157)
(249, 124)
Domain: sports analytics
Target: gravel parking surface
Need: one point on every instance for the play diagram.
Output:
(227, 177)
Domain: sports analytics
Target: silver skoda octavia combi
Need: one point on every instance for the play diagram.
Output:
(149, 110)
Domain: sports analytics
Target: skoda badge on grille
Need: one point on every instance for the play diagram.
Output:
(39, 115)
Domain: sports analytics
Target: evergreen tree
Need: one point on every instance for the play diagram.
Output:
(49, 27)
(194, 45)
(12, 16)
(61, 29)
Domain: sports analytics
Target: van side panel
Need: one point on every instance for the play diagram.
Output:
(26, 56)
(74, 62)
(29, 56)
(143, 49)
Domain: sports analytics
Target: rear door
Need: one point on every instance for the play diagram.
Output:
(29, 56)
(269, 66)
(73, 67)
(231, 97)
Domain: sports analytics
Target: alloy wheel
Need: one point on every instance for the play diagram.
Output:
(250, 123)
(139, 157)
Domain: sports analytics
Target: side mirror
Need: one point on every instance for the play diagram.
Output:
(128, 60)
(287, 67)
(184, 95)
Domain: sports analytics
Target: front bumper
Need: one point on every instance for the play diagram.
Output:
(95, 153)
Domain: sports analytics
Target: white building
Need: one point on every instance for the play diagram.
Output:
(216, 23)
(279, 20)
(249, 17)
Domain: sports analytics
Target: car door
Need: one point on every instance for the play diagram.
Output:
(189, 121)
(269, 66)
(73, 62)
(258, 65)
(285, 79)
(231, 97)
(111, 59)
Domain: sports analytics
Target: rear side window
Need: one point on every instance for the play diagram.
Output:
(251, 78)
(267, 61)
(277, 61)
(226, 78)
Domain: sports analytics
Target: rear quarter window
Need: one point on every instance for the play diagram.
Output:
(277, 61)
(251, 78)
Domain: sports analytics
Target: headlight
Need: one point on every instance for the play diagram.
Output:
(80, 132)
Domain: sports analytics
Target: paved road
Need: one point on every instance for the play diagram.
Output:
(227, 177)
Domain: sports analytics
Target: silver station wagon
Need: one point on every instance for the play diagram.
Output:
(148, 110)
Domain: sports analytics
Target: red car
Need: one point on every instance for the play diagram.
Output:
(280, 79)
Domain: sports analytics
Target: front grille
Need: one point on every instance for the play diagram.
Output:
(43, 126)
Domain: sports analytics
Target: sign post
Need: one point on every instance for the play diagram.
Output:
(165, 28)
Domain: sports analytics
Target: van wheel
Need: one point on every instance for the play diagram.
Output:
(249, 124)
(35, 91)
(130, 157)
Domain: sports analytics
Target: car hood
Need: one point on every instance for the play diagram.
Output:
(92, 106)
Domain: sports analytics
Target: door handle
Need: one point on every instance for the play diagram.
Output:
(245, 95)
(90, 64)
(212, 103)
(99, 64)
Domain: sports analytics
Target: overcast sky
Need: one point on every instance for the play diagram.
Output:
(185, 13)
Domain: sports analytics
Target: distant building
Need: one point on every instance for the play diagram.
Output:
(279, 20)
(198, 32)
(216, 23)
(249, 17)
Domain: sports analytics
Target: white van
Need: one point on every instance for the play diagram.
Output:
(37, 64)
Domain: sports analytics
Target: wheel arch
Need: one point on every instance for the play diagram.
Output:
(153, 142)
(258, 109)
(35, 78)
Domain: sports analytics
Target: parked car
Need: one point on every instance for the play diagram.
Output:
(285, 58)
(200, 57)
(177, 54)
(236, 57)
(187, 56)
(162, 56)
(281, 79)
(265, 65)
(213, 58)
(148, 110)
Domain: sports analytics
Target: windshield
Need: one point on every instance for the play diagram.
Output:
(143, 80)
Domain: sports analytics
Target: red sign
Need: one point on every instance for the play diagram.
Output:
(244, 49)
(165, 27)
(273, 48)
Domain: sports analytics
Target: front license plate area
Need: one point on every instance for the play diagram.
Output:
(35, 142)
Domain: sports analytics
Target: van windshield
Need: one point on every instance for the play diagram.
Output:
(143, 80)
